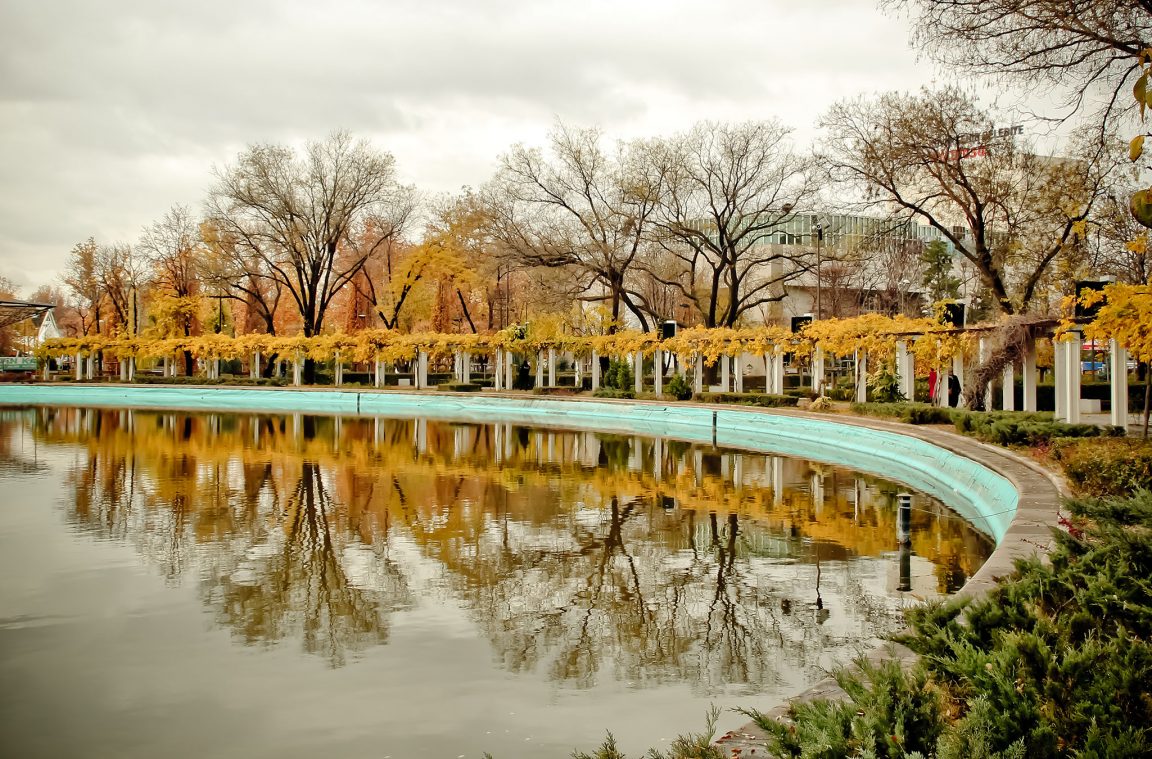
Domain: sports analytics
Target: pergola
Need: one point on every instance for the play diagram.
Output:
(13, 311)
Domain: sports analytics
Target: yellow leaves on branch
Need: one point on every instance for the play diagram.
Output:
(1125, 316)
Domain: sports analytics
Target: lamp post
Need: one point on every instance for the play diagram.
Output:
(818, 232)
(819, 244)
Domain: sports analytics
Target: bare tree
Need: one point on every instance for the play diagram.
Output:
(241, 274)
(1079, 48)
(938, 158)
(122, 272)
(311, 221)
(724, 190)
(1120, 246)
(576, 207)
(83, 285)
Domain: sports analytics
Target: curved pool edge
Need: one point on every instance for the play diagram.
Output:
(1008, 496)
(977, 492)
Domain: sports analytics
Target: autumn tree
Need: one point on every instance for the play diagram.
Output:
(722, 191)
(576, 206)
(938, 158)
(174, 249)
(311, 220)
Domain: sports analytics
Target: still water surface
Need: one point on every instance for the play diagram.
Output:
(176, 584)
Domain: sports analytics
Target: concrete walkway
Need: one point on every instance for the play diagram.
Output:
(1040, 492)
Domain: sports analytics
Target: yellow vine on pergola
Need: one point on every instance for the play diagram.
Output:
(877, 334)
(1125, 315)
(874, 333)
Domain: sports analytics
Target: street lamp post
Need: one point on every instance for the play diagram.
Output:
(819, 244)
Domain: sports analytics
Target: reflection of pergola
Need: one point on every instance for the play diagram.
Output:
(13, 311)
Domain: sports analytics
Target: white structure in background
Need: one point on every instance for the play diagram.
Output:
(46, 328)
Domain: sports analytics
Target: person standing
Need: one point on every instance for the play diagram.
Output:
(953, 389)
(932, 377)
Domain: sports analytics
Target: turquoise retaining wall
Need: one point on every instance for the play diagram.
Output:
(977, 493)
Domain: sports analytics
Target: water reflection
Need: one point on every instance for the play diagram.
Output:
(578, 556)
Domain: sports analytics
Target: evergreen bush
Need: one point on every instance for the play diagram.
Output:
(750, 399)
(619, 376)
(910, 413)
(679, 388)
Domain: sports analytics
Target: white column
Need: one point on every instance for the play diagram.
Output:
(861, 376)
(778, 371)
(983, 353)
(254, 365)
(539, 368)
(1008, 391)
(123, 369)
(498, 370)
(738, 373)
(1072, 359)
(132, 369)
(79, 363)
(215, 368)
(577, 380)
(658, 372)
(338, 370)
(378, 372)
(1118, 380)
(1028, 376)
(902, 369)
(769, 380)
(698, 375)
(1060, 379)
(638, 371)
(818, 370)
(595, 371)
(551, 367)
(297, 370)
(509, 369)
(91, 365)
(465, 367)
(725, 373)
(422, 369)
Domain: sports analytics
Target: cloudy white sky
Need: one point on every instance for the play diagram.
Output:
(113, 111)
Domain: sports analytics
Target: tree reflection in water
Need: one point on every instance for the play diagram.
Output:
(578, 555)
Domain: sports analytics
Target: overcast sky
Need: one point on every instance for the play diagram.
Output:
(113, 111)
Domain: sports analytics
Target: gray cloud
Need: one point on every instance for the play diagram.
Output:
(111, 112)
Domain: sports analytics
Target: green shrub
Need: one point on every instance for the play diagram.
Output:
(555, 390)
(1020, 427)
(153, 379)
(612, 392)
(910, 413)
(750, 399)
(460, 387)
(679, 387)
(619, 376)
(1106, 467)
(1054, 661)
(885, 387)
